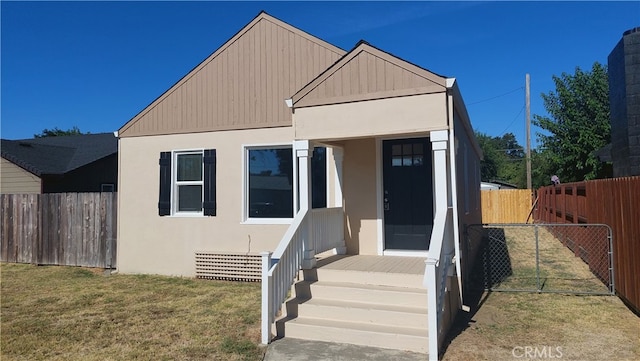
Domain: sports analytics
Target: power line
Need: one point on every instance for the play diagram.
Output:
(514, 119)
(497, 96)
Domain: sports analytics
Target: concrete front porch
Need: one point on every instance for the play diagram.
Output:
(364, 300)
(380, 270)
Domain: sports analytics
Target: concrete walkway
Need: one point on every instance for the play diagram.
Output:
(289, 349)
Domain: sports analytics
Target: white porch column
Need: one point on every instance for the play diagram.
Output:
(304, 152)
(441, 175)
(338, 157)
(439, 140)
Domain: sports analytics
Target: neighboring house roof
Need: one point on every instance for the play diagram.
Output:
(58, 155)
(496, 184)
(242, 85)
(368, 73)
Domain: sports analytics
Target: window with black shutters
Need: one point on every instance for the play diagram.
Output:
(187, 183)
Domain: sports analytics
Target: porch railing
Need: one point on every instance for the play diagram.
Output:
(279, 270)
(328, 228)
(437, 264)
(322, 228)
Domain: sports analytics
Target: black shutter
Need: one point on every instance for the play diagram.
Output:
(164, 202)
(209, 203)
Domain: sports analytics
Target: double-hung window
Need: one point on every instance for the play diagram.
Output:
(188, 183)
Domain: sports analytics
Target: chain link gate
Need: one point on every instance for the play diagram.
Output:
(564, 258)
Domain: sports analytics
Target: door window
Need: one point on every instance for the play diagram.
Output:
(407, 155)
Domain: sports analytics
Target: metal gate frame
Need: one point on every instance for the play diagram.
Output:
(506, 267)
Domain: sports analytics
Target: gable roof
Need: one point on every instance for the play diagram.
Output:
(58, 155)
(367, 73)
(241, 85)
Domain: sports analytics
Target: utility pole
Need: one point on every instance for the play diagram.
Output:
(528, 122)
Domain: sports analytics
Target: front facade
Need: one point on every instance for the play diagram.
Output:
(269, 85)
(276, 123)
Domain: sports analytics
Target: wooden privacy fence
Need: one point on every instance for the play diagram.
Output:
(70, 229)
(614, 202)
(505, 205)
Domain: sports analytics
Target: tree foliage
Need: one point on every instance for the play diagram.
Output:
(57, 132)
(578, 126)
(504, 159)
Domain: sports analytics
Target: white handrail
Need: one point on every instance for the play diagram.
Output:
(435, 276)
(279, 271)
(288, 235)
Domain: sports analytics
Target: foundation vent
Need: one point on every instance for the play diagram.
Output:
(229, 266)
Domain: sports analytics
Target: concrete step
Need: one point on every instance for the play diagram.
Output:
(367, 278)
(367, 313)
(367, 334)
(362, 293)
(360, 307)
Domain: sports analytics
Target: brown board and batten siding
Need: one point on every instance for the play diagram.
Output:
(367, 73)
(369, 92)
(242, 85)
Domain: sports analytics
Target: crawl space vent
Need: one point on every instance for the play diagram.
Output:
(229, 266)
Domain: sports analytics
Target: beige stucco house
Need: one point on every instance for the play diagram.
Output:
(280, 142)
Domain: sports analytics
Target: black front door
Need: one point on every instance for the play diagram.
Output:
(407, 193)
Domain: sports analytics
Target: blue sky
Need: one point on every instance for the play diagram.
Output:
(95, 65)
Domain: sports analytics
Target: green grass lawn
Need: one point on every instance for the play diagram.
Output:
(72, 313)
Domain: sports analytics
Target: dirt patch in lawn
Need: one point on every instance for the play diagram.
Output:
(529, 325)
(523, 257)
(516, 326)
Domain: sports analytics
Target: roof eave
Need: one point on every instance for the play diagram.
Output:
(458, 103)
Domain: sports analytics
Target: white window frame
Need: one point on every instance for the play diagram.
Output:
(245, 183)
(175, 184)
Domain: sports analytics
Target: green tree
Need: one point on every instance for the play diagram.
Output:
(57, 132)
(540, 171)
(578, 126)
(503, 159)
(491, 158)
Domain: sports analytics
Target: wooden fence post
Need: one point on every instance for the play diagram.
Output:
(37, 237)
